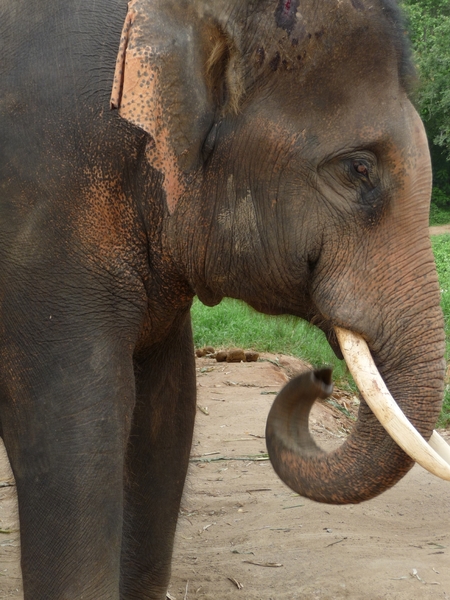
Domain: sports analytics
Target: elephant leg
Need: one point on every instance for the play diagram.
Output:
(157, 462)
(65, 425)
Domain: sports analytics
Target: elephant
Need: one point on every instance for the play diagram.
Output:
(264, 150)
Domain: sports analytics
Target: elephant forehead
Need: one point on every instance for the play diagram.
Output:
(318, 37)
(286, 14)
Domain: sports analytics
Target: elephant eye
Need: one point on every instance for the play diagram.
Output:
(361, 168)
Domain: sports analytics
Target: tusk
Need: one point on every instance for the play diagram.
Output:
(438, 443)
(433, 456)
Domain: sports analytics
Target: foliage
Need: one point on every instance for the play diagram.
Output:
(430, 32)
(438, 215)
(429, 24)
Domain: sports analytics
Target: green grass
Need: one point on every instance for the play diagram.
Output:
(441, 249)
(233, 323)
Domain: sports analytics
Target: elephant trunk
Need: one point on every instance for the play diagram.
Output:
(369, 461)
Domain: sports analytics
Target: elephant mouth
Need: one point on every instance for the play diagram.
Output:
(433, 455)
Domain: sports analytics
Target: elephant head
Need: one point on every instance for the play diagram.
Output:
(296, 176)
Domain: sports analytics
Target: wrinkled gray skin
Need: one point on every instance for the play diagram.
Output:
(264, 150)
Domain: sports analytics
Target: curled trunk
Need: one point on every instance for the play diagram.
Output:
(369, 461)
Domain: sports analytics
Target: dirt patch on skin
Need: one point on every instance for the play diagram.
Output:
(240, 526)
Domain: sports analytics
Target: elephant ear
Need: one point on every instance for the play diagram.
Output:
(161, 85)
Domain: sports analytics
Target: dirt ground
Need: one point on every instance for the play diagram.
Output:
(439, 229)
(240, 527)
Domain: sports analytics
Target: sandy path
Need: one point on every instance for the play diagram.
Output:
(439, 229)
(395, 547)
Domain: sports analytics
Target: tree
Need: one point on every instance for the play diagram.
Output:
(429, 24)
